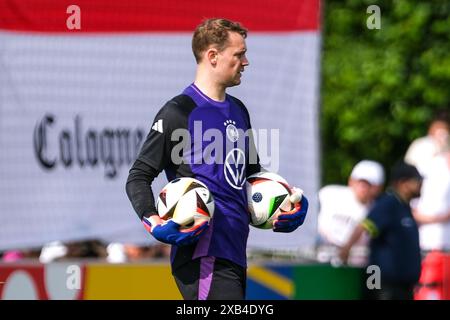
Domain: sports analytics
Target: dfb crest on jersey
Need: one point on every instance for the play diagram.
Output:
(232, 131)
(234, 168)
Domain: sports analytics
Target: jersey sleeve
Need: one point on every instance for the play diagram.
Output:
(153, 158)
(156, 149)
(139, 189)
(379, 218)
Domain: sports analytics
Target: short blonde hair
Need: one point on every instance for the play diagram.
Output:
(214, 32)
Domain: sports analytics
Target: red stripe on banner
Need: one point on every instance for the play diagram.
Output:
(157, 15)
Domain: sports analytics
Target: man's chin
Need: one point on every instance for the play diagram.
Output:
(234, 83)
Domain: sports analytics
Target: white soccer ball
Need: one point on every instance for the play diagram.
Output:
(268, 194)
(186, 201)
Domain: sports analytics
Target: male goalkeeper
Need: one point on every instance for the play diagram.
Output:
(208, 262)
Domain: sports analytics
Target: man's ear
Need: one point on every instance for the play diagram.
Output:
(212, 55)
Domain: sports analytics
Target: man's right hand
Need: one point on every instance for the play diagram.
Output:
(169, 231)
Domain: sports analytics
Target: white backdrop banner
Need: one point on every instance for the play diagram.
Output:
(76, 104)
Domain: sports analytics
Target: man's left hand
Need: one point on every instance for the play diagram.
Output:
(291, 220)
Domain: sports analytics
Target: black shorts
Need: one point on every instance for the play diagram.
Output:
(210, 278)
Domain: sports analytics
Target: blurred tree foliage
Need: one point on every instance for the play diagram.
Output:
(380, 88)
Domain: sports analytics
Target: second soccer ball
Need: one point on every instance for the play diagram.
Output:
(268, 194)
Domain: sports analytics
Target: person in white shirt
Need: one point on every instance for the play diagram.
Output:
(422, 150)
(432, 211)
(342, 208)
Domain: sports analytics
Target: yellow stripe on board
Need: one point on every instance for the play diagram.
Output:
(129, 281)
(272, 280)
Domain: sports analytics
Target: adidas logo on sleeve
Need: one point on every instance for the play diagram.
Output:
(158, 126)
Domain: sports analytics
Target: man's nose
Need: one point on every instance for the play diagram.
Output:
(245, 62)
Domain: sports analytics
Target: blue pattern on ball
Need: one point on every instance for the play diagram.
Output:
(257, 197)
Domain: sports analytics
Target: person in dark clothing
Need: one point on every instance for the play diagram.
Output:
(394, 245)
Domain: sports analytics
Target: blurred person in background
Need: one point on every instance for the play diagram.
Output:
(122, 253)
(59, 251)
(432, 210)
(422, 150)
(342, 208)
(20, 254)
(394, 244)
(86, 249)
(155, 251)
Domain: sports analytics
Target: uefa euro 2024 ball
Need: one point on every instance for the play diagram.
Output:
(268, 195)
(187, 201)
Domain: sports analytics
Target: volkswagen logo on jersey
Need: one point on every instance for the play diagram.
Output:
(234, 168)
(232, 132)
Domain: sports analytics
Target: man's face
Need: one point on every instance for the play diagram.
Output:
(231, 61)
(414, 187)
(364, 191)
(439, 131)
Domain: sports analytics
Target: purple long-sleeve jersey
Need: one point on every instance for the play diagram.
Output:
(220, 152)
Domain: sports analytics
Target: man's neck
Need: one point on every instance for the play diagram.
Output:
(210, 88)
